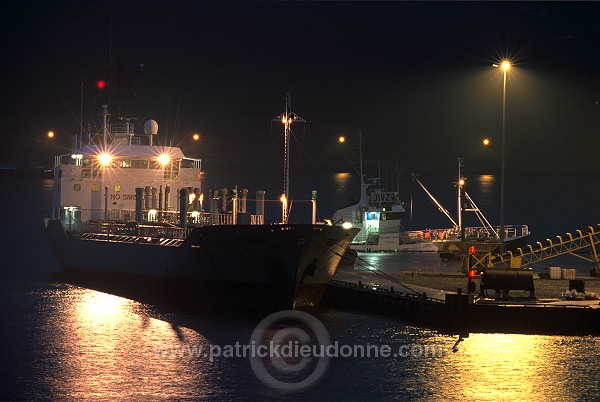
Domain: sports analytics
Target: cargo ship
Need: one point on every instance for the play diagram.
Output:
(132, 216)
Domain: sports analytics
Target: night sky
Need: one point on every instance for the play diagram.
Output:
(416, 78)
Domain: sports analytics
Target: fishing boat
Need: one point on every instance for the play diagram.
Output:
(132, 216)
(378, 216)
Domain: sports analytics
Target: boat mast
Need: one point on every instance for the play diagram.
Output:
(459, 185)
(287, 117)
(360, 154)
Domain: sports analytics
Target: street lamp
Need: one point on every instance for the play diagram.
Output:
(505, 66)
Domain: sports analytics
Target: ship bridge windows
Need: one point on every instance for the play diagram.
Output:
(191, 163)
(372, 216)
(171, 170)
(390, 216)
(133, 163)
(90, 168)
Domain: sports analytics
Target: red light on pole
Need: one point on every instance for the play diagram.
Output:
(101, 84)
(472, 250)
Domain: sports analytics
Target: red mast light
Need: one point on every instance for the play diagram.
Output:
(101, 84)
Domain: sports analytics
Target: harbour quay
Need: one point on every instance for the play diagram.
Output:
(441, 301)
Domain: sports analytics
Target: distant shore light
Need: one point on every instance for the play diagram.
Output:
(342, 139)
(486, 141)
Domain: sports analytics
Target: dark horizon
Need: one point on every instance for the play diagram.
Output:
(415, 78)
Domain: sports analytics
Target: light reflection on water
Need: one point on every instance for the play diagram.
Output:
(492, 367)
(485, 190)
(108, 346)
(102, 346)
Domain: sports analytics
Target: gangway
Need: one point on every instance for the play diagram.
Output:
(570, 244)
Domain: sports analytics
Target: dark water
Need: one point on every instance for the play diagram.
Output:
(62, 341)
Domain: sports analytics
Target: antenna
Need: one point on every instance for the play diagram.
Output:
(287, 118)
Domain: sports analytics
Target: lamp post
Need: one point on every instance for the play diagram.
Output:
(505, 66)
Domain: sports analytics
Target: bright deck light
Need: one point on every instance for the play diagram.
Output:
(505, 65)
(164, 159)
(347, 225)
(486, 142)
(104, 158)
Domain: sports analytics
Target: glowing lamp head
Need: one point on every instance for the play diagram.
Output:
(50, 134)
(347, 225)
(472, 273)
(196, 137)
(104, 158)
(342, 139)
(505, 65)
(164, 159)
(472, 250)
(461, 182)
(486, 141)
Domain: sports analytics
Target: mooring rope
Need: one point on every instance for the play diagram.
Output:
(379, 272)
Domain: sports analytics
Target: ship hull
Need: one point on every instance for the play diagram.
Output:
(392, 243)
(245, 267)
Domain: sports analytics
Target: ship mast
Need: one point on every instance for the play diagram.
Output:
(287, 118)
(459, 185)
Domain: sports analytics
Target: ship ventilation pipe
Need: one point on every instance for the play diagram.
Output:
(223, 200)
(260, 206)
(167, 195)
(147, 197)
(244, 193)
(212, 206)
(139, 203)
(196, 199)
(154, 197)
(234, 205)
(160, 203)
(183, 206)
(106, 203)
(313, 201)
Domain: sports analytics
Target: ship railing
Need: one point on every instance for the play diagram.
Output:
(168, 232)
(477, 232)
(133, 229)
(257, 219)
(75, 222)
(486, 232)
